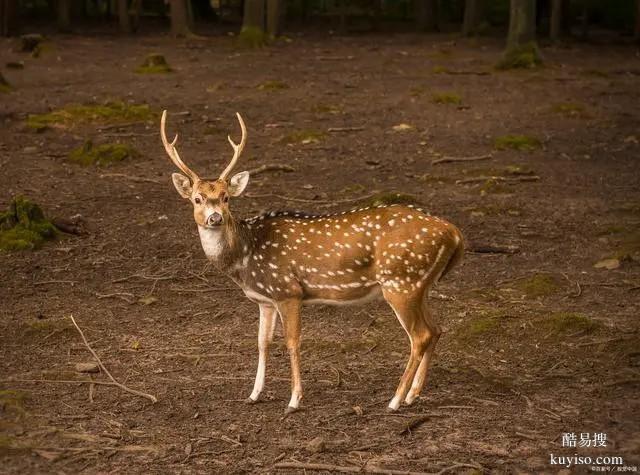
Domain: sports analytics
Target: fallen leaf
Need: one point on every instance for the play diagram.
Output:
(87, 368)
(148, 300)
(402, 127)
(188, 449)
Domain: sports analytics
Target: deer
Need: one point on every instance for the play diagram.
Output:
(284, 260)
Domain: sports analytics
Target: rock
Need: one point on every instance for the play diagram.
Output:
(317, 445)
(87, 368)
(609, 264)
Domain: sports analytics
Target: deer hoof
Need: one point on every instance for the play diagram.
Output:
(251, 401)
(290, 410)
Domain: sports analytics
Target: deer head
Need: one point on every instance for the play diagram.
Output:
(210, 199)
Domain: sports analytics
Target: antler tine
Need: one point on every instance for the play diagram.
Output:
(237, 149)
(172, 151)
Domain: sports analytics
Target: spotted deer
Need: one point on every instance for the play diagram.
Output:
(282, 260)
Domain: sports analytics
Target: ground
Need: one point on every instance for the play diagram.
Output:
(537, 341)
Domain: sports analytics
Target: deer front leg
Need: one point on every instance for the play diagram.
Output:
(265, 337)
(290, 314)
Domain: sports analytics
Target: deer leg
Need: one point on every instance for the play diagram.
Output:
(420, 379)
(265, 337)
(408, 309)
(290, 314)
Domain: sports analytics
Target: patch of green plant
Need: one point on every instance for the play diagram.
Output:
(273, 85)
(252, 37)
(304, 136)
(5, 87)
(569, 322)
(24, 226)
(570, 109)
(354, 188)
(538, 285)
(522, 143)
(154, 64)
(439, 70)
(525, 56)
(103, 154)
(390, 198)
(326, 109)
(108, 113)
(439, 179)
(446, 98)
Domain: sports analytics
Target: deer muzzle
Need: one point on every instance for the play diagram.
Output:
(214, 219)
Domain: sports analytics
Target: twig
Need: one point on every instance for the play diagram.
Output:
(461, 159)
(493, 249)
(598, 342)
(623, 381)
(269, 167)
(106, 371)
(344, 469)
(414, 423)
(120, 125)
(453, 72)
(345, 129)
(137, 179)
(126, 296)
(45, 282)
(61, 381)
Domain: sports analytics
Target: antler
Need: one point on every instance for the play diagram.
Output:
(237, 149)
(173, 152)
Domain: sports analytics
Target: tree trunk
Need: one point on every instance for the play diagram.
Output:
(9, 23)
(274, 17)
(522, 23)
(555, 29)
(64, 15)
(473, 16)
(636, 33)
(426, 12)
(253, 15)
(179, 18)
(123, 16)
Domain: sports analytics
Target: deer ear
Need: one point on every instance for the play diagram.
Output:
(238, 183)
(182, 184)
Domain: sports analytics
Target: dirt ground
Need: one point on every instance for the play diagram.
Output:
(537, 342)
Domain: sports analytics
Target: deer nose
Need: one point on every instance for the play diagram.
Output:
(214, 219)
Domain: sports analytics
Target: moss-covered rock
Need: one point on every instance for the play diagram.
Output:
(154, 64)
(113, 112)
(523, 143)
(252, 37)
(446, 98)
(24, 226)
(525, 56)
(390, 198)
(304, 136)
(103, 154)
(4, 85)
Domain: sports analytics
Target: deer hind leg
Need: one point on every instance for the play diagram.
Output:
(290, 314)
(420, 379)
(265, 337)
(408, 308)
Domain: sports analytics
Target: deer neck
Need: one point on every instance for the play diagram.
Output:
(223, 246)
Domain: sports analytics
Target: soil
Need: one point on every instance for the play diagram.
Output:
(537, 342)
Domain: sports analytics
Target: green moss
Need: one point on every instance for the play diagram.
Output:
(570, 109)
(525, 56)
(495, 186)
(24, 226)
(439, 70)
(523, 143)
(273, 85)
(390, 198)
(486, 322)
(569, 322)
(446, 98)
(12, 400)
(354, 188)
(102, 155)
(326, 109)
(304, 136)
(252, 37)
(109, 113)
(538, 285)
(154, 64)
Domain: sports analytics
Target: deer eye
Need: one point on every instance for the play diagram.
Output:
(197, 200)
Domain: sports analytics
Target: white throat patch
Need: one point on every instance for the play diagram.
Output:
(212, 241)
